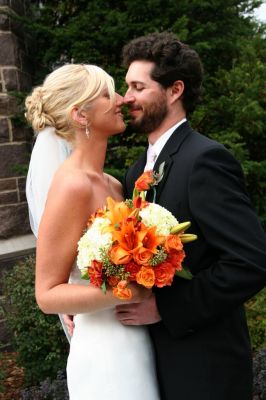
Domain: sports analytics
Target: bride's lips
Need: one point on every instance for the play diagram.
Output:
(119, 112)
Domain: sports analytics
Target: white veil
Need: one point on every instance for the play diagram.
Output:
(48, 153)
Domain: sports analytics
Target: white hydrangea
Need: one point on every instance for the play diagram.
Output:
(92, 241)
(156, 215)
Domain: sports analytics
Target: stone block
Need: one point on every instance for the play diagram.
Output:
(20, 133)
(4, 22)
(17, 6)
(8, 184)
(10, 197)
(8, 105)
(17, 28)
(11, 79)
(12, 158)
(22, 196)
(4, 130)
(22, 188)
(9, 50)
(14, 220)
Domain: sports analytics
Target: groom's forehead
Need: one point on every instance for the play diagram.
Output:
(139, 71)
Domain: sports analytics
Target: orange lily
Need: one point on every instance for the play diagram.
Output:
(126, 235)
(149, 239)
(116, 212)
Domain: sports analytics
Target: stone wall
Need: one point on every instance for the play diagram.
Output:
(14, 137)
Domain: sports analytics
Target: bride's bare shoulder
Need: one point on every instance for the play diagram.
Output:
(71, 183)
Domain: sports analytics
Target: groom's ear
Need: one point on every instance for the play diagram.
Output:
(79, 116)
(176, 91)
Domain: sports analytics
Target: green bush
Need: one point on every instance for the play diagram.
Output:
(256, 316)
(2, 375)
(37, 338)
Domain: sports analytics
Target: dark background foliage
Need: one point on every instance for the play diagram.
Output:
(231, 44)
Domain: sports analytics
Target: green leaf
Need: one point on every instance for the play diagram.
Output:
(185, 273)
(103, 287)
(161, 172)
(85, 275)
(135, 193)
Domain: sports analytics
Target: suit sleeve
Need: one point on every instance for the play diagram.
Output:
(230, 229)
(125, 189)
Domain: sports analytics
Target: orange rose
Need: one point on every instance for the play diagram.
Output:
(176, 258)
(95, 273)
(173, 242)
(145, 181)
(122, 292)
(112, 280)
(132, 268)
(164, 274)
(119, 255)
(146, 277)
(142, 256)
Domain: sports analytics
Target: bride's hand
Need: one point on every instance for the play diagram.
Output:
(68, 320)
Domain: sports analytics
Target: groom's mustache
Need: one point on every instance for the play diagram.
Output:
(131, 107)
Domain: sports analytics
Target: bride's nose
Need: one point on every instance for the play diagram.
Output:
(119, 99)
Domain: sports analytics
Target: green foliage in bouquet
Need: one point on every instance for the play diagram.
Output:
(37, 338)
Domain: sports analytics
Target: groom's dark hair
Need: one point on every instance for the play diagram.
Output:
(173, 60)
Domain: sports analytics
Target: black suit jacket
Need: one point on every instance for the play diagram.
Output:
(202, 344)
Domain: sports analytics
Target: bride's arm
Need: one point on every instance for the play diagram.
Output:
(63, 223)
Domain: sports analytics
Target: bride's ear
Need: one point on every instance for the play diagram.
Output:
(78, 116)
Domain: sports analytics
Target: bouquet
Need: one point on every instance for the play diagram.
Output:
(133, 241)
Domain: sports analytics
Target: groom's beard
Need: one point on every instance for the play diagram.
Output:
(153, 115)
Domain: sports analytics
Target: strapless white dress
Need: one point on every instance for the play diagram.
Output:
(109, 361)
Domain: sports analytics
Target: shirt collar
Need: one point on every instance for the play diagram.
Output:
(157, 147)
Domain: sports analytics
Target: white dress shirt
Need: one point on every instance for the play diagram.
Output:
(155, 149)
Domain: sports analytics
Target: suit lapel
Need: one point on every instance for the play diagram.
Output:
(171, 147)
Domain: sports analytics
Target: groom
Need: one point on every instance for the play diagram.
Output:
(198, 327)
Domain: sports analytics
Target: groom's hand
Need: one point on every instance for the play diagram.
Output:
(143, 313)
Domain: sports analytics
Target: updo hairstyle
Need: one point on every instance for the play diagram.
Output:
(68, 86)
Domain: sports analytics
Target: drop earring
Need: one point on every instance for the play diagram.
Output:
(87, 131)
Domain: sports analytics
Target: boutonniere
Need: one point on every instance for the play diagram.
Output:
(148, 180)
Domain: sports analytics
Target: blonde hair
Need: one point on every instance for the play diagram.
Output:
(68, 86)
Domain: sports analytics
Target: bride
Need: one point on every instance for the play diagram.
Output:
(107, 360)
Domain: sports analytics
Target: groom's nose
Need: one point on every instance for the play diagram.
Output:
(129, 98)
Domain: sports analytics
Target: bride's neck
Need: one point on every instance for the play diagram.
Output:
(90, 153)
